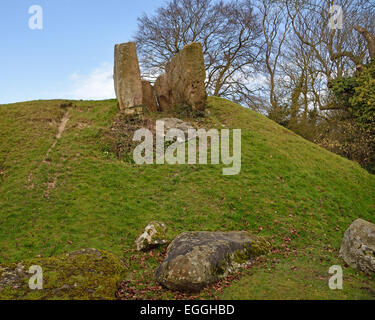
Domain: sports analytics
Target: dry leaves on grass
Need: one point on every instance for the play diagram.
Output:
(144, 286)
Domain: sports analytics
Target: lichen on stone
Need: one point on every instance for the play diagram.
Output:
(196, 259)
(155, 233)
(358, 246)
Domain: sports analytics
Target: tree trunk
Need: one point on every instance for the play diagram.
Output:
(370, 38)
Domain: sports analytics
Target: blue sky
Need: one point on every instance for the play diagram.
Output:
(72, 56)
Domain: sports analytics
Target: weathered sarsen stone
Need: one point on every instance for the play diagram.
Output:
(186, 75)
(149, 97)
(196, 259)
(183, 81)
(358, 246)
(127, 76)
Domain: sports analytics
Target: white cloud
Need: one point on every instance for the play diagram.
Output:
(96, 85)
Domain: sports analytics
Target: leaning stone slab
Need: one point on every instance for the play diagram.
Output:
(81, 275)
(186, 75)
(358, 246)
(155, 234)
(197, 259)
(127, 76)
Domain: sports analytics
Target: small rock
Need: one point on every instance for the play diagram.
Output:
(154, 235)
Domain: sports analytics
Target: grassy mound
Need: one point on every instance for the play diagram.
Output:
(80, 195)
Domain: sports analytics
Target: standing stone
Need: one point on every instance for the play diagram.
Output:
(149, 97)
(127, 77)
(163, 92)
(358, 246)
(186, 76)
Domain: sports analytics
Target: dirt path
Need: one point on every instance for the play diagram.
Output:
(60, 131)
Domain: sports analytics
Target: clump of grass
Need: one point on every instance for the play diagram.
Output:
(185, 111)
(118, 139)
(66, 105)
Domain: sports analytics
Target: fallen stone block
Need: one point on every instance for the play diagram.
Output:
(197, 259)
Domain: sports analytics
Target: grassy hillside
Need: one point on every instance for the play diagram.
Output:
(77, 195)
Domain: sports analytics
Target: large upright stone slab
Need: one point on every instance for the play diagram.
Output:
(186, 75)
(127, 76)
(183, 81)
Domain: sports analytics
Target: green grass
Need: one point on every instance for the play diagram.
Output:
(298, 195)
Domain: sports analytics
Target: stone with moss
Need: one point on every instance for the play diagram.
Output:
(197, 259)
(358, 246)
(155, 234)
(86, 274)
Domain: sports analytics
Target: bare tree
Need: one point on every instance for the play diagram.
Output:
(228, 31)
(275, 27)
(335, 52)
